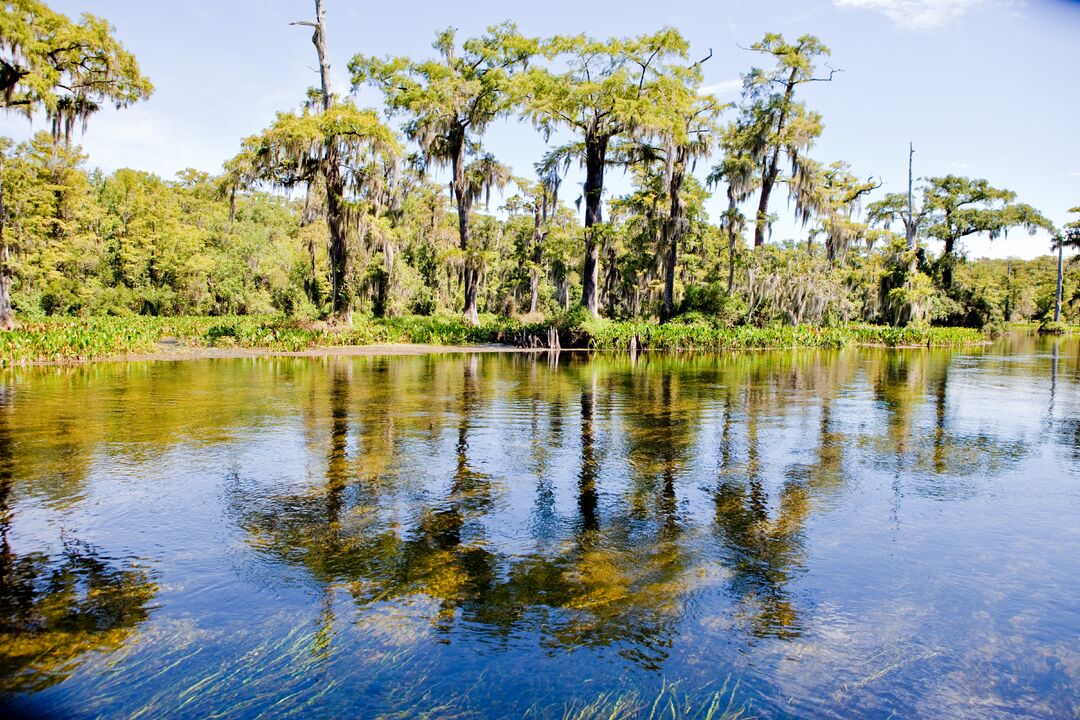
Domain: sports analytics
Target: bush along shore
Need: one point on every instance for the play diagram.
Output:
(60, 340)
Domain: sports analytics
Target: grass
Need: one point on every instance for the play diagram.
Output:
(1055, 327)
(65, 340)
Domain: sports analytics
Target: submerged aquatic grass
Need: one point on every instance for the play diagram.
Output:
(670, 703)
(295, 674)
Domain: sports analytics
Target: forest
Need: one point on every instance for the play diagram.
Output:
(339, 214)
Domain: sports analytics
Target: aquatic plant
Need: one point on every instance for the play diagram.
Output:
(65, 340)
(702, 336)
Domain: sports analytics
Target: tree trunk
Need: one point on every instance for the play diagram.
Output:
(595, 159)
(1057, 297)
(471, 275)
(335, 217)
(732, 235)
(534, 290)
(947, 264)
(909, 224)
(768, 178)
(335, 183)
(7, 314)
(319, 39)
(667, 308)
(537, 256)
(673, 231)
(307, 216)
(772, 166)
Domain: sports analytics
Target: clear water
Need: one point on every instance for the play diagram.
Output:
(862, 533)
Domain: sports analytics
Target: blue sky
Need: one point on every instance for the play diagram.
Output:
(984, 88)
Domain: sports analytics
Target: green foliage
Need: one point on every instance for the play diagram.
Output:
(712, 301)
(705, 336)
(67, 69)
(1053, 327)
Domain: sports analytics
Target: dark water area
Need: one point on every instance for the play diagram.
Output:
(805, 534)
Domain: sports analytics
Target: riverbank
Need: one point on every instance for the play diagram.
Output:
(74, 340)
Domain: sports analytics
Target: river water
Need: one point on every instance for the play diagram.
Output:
(857, 533)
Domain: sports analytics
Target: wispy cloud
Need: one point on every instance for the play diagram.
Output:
(916, 14)
(720, 88)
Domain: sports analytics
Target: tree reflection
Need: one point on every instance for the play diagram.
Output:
(762, 551)
(587, 496)
(933, 448)
(54, 609)
(616, 551)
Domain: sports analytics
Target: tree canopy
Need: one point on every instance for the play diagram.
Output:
(67, 69)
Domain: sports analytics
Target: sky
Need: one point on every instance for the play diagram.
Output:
(982, 88)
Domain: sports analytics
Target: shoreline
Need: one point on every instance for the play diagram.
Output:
(175, 352)
(169, 352)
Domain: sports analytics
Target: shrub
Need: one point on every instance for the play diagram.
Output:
(1053, 327)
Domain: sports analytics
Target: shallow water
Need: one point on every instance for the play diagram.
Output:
(849, 533)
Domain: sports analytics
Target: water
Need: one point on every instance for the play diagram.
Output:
(861, 533)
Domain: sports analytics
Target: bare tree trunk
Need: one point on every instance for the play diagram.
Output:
(595, 158)
(335, 183)
(909, 226)
(7, 314)
(319, 39)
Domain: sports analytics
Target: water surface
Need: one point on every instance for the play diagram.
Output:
(858, 533)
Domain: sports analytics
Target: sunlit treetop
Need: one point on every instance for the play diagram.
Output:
(607, 87)
(960, 206)
(794, 61)
(1069, 235)
(461, 92)
(290, 151)
(69, 70)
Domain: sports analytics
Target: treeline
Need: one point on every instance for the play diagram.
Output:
(330, 210)
(133, 243)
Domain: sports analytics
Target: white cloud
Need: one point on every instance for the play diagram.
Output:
(138, 137)
(720, 88)
(916, 14)
(144, 138)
